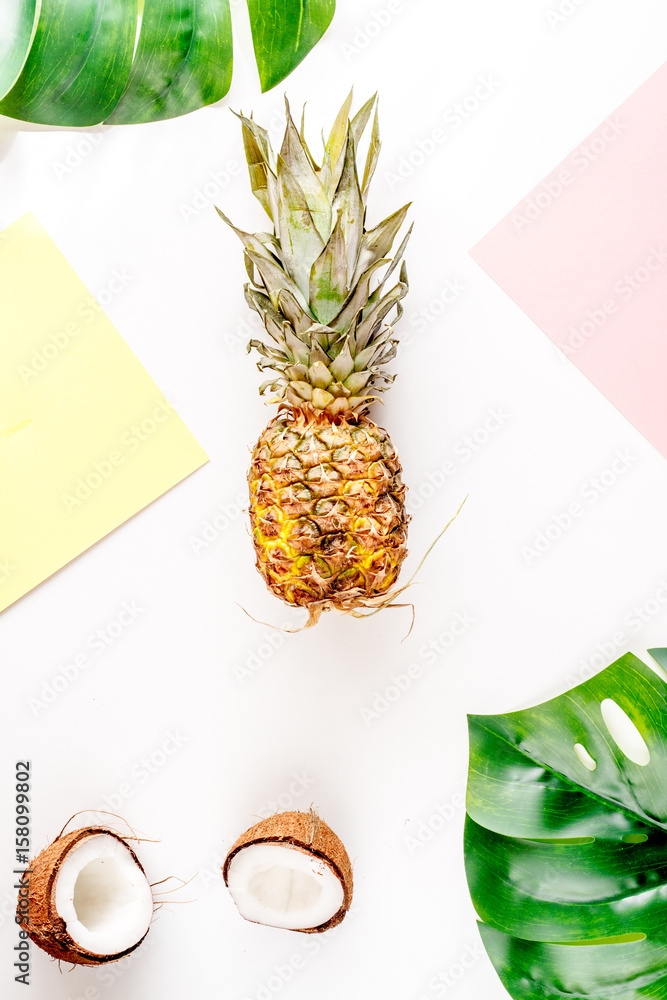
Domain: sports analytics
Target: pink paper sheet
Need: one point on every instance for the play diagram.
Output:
(585, 255)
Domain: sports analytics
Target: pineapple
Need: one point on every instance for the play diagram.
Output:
(327, 504)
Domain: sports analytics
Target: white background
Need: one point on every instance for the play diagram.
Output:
(251, 725)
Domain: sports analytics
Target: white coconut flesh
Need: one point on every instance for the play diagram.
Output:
(103, 896)
(283, 886)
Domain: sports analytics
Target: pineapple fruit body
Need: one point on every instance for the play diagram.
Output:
(326, 498)
(327, 509)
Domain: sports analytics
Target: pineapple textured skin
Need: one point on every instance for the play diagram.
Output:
(327, 510)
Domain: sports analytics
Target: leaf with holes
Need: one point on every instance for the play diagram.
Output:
(566, 839)
(83, 62)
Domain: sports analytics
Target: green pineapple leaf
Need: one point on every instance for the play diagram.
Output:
(372, 156)
(261, 144)
(356, 300)
(349, 208)
(398, 258)
(297, 158)
(302, 135)
(326, 287)
(566, 839)
(377, 242)
(328, 277)
(261, 169)
(334, 149)
(300, 318)
(374, 316)
(300, 240)
(256, 242)
(360, 120)
(84, 62)
(273, 321)
(274, 279)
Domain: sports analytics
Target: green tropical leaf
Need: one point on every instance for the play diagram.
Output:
(183, 61)
(84, 62)
(18, 24)
(566, 839)
(78, 64)
(284, 32)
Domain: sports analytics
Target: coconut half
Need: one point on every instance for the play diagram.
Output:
(88, 898)
(290, 871)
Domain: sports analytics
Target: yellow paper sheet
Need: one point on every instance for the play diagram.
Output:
(86, 437)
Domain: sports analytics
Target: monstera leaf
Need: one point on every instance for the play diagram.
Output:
(566, 839)
(283, 32)
(83, 62)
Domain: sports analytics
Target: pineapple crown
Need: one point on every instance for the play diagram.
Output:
(316, 280)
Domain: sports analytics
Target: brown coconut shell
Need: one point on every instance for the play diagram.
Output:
(42, 922)
(308, 833)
